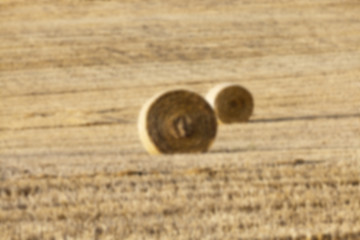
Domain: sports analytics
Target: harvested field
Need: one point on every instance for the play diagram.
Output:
(75, 73)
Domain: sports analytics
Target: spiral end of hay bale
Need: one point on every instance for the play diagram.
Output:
(177, 121)
(232, 103)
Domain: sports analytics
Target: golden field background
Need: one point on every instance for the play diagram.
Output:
(75, 73)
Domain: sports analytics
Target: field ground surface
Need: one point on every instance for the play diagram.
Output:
(75, 73)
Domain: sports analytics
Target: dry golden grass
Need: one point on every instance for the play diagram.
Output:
(219, 196)
(75, 73)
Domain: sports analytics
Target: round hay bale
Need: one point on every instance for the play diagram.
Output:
(177, 121)
(232, 103)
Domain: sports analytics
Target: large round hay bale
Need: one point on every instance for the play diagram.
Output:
(232, 103)
(177, 121)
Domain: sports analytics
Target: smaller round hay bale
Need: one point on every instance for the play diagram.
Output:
(177, 121)
(232, 103)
